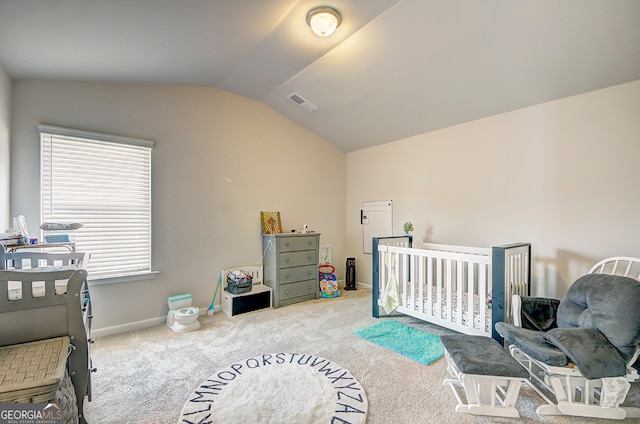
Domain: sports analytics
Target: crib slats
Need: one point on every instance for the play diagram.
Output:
(471, 301)
(439, 288)
(450, 286)
(429, 285)
(483, 292)
(449, 289)
(516, 276)
(460, 289)
(378, 261)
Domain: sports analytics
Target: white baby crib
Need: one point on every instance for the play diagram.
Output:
(466, 289)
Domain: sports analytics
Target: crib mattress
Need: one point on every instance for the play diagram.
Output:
(443, 313)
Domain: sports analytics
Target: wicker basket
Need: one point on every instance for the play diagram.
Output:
(36, 372)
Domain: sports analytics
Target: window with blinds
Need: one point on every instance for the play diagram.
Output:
(103, 182)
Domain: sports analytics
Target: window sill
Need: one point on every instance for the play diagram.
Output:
(123, 278)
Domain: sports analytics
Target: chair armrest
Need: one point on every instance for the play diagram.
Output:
(534, 313)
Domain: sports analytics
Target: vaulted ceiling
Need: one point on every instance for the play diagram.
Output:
(393, 69)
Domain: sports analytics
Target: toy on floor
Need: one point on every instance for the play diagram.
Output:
(212, 307)
(328, 281)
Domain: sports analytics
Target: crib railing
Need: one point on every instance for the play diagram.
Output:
(434, 281)
(401, 241)
(511, 275)
(28, 259)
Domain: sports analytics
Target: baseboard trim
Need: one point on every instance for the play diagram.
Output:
(139, 325)
(130, 326)
(358, 284)
(152, 322)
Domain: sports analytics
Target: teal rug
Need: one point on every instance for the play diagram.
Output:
(420, 346)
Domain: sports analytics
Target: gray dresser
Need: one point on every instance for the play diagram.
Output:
(291, 266)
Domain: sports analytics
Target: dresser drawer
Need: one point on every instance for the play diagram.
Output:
(300, 288)
(291, 275)
(302, 257)
(289, 244)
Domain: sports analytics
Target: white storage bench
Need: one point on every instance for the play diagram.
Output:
(488, 376)
(258, 298)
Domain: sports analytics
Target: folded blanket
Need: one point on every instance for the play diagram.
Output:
(391, 295)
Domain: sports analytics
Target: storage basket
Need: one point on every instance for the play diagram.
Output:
(239, 282)
(36, 372)
(238, 287)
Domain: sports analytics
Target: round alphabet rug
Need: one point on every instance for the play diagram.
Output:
(278, 388)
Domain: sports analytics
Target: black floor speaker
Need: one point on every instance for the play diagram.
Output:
(350, 278)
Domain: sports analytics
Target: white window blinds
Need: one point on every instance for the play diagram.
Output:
(103, 182)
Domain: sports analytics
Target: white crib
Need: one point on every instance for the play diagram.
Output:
(461, 288)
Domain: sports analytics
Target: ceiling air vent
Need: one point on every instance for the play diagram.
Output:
(295, 97)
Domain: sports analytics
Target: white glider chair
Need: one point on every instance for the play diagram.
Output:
(580, 351)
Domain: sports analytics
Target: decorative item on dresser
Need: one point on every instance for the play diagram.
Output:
(271, 223)
(291, 266)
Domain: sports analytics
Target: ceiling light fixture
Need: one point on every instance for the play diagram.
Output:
(323, 20)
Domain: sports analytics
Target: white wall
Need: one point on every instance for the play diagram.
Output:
(201, 222)
(5, 152)
(562, 175)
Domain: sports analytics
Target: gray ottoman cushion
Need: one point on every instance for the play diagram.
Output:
(481, 356)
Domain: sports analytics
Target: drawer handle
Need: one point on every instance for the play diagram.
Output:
(287, 260)
(286, 292)
(287, 244)
(286, 276)
(309, 258)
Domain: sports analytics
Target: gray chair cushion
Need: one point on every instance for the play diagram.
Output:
(589, 350)
(608, 303)
(533, 343)
(481, 356)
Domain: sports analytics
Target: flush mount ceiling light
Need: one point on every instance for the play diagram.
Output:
(323, 20)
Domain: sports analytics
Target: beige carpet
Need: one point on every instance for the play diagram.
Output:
(147, 376)
(301, 389)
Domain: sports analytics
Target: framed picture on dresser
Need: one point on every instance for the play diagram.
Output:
(271, 223)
